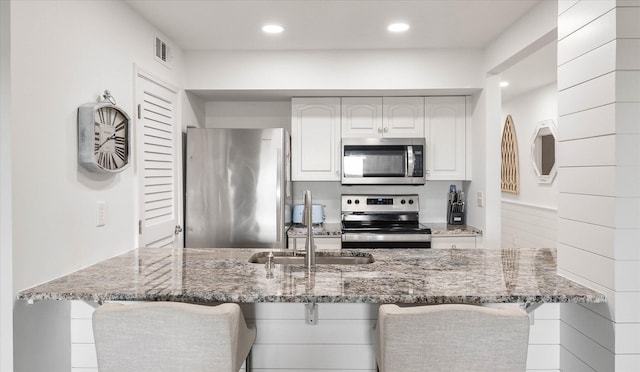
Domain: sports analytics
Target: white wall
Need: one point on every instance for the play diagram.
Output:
(524, 37)
(242, 114)
(6, 259)
(527, 110)
(334, 70)
(64, 53)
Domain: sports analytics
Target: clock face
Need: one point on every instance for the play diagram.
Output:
(110, 142)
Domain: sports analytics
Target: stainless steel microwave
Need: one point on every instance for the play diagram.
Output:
(383, 161)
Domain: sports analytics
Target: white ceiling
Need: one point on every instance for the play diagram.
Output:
(330, 24)
(348, 24)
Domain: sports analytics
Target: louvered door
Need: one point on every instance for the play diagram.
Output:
(158, 154)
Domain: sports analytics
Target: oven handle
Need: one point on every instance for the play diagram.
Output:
(410, 162)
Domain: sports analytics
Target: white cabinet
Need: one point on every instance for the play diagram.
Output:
(322, 242)
(361, 117)
(445, 133)
(403, 117)
(440, 242)
(315, 139)
(391, 117)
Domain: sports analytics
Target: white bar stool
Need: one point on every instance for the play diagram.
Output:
(171, 336)
(449, 338)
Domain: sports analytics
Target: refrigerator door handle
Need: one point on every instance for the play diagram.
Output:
(279, 211)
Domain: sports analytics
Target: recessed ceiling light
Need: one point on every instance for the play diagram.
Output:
(272, 29)
(398, 27)
(504, 84)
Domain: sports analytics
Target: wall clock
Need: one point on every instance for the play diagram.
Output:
(103, 137)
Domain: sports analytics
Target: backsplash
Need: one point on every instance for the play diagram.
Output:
(433, 196)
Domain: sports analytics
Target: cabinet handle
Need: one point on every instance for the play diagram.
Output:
(379, 130)
(453, 246)
(386, 130)
(337, 173)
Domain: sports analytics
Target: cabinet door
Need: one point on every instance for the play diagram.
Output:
(444, 242)
(361, 117)
(445, 134)
(315, 139)
(403, 117)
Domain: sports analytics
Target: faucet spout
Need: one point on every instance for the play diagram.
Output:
(307, 219)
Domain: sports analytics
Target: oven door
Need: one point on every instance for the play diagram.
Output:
(387, 240)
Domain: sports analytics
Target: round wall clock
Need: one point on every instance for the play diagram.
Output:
(103, 137)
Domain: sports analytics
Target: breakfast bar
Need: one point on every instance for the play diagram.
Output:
(321, 318)
(407, 276)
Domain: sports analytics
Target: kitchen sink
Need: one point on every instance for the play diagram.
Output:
(322, 258)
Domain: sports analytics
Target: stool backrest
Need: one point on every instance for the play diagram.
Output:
(169, 336)
(452, 338)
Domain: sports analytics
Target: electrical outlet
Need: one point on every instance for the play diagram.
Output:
(480, 197)
(101, 213)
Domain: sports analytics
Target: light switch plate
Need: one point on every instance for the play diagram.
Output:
(480, 197)
(101, 213)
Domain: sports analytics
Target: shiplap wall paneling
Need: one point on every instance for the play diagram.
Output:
(83, 351)
(599, 175)
(339, 341)
(528, 226)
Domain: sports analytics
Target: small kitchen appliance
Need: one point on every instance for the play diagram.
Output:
(317, 218)
(383, 161)
(317, 211)
(383, 221)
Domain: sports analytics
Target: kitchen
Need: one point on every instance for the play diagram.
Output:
(67, 238)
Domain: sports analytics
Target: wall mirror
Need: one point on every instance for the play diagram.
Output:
(543, 151)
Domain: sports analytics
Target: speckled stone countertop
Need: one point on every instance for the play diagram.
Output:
(335, 230)
(443, 229)
(428, 276)
(327, 230)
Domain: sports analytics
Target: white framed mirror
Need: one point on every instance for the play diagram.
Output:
(543, 151)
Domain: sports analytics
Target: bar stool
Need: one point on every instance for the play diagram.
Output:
(451, 338)
(171, 336)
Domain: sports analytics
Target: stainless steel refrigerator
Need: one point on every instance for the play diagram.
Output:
(237, 188)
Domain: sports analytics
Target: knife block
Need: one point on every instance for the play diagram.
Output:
(455, 217)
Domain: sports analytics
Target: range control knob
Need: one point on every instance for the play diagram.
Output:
(349, 201)
(402, 201)
(357, 201)
(410, 201)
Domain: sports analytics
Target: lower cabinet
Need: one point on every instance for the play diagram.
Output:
(322, 242)
(440, 242)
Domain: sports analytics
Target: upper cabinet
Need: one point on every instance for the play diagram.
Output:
(361, 117)
(318, 124)
(315, 139)
(445, 133)
(403, 117)
(391, 117)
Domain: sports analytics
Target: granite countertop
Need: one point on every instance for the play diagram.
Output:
(443, 229)
(327, 229)
(335, 230)
(397, 276)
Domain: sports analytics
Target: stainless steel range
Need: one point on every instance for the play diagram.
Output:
(383, 221)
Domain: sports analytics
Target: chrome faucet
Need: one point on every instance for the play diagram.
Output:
(307, 219)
